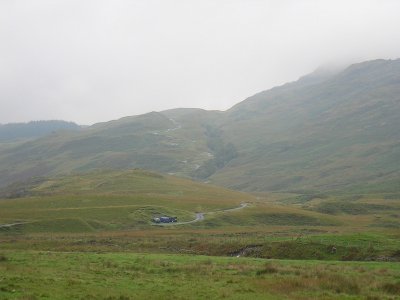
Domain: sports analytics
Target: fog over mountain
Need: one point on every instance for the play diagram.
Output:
(90, 61)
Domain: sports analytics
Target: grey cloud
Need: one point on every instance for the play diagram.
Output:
(90, 61)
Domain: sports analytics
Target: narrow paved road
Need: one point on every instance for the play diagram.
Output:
(200, 216)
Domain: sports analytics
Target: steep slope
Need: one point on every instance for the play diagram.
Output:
(332, 134)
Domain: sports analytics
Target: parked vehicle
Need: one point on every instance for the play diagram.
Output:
(165, 219)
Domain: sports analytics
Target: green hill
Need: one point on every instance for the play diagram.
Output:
(324, 132)
(150, 141)
(107, 200)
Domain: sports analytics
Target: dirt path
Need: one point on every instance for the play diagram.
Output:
(242, 205)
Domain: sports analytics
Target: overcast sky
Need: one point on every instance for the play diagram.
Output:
(89, 61)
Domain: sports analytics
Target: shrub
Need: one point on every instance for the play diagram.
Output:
(392, 288)
(268, 269)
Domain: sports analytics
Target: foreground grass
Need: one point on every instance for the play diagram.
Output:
(55, 275)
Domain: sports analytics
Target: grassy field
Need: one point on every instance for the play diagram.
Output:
(56, 275)
(112, 211)
(90, 236)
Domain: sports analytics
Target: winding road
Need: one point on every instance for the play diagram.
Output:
(200, 216)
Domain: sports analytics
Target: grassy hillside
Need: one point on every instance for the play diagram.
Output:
(112, 211)
(324, 132)
(152, 141)
(331, 135)
(108, 200)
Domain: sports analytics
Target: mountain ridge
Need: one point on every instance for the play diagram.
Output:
(325, 131)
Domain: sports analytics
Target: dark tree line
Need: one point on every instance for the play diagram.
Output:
(13, 131)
